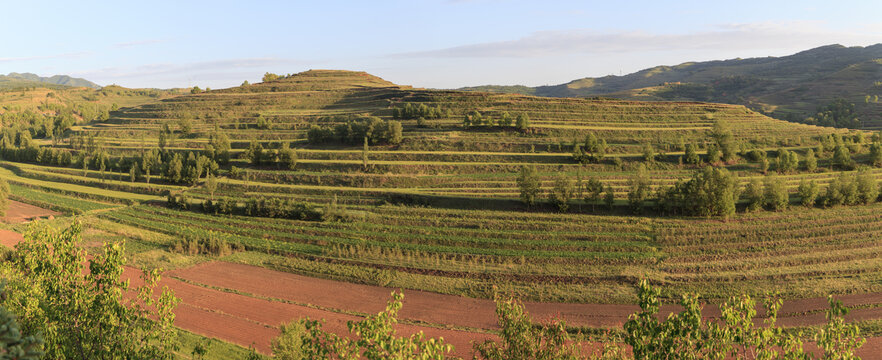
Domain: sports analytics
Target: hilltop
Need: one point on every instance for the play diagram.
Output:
(789, 87)
(18, 80)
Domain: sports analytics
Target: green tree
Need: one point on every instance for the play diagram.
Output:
(867, 186)
(713, 154)
(811, 162)
(267, 77)
(876, 154)
(529, 185)
(373, 338)
(807, 192)
(15, 344)
(522, 338)
(842, 158)
(648, 153)
(84, 309)
(609, 197)
(754, 195)
(287, 156)
(211, 185)
(776, 196)
(522, 122)
(174, 171)
(254, 154)
(787, 161)
(638, 191)
(289, 344)
(594, 189)
(561, 193)
(725, 141)
(692, 157)
(711, 192)
(837, 339)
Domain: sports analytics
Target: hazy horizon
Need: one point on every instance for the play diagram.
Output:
(433, 44)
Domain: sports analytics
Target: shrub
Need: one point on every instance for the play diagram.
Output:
(528, 183)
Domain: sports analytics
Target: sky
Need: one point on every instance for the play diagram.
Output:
(424, 43)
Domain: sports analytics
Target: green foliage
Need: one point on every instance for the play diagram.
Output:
(838, 113)
(638, 189)
(83, 310)
(287, 157)
(787, 161)
(593, 188)
(522, 338)
(722, 135)
(522, 122)
(842, 157)
(609, 197)
(254, 154)
(876, 154)
(692, 157)
(353, 130)
(205, 243)
(754, 194)
(811, 162)
(529, 185)
(561, 193)
(14, 343)
(867, 187)
(648, 153)
(373, 338)
(267, 77)
(289, 344)
(837, 339)
(776, 196)
(808, 192)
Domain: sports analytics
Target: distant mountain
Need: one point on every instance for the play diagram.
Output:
(54, 80)
(789, 87)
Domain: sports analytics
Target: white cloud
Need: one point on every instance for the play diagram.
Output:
(750, 36)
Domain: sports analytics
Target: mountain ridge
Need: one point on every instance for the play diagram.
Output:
(790, 87)
(64, 80)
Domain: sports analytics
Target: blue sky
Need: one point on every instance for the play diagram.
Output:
(440, 43)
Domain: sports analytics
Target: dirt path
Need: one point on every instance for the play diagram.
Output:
(19, 212)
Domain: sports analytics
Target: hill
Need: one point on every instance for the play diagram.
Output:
(790, 87)
(432, 200)
(15, 80)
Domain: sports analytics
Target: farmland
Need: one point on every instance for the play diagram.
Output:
(438, 209)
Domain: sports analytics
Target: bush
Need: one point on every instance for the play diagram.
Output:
(528, 183)
(776, 196)
(207, 243)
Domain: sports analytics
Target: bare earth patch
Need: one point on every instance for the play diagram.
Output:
(19, 212)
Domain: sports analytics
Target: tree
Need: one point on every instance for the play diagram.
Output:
(609, 197)
(254, 154)
(505, 120)
(529, 185)
(807, 192)
(174, 171)
(267, 77)
(811, 162)
(16, 344)
(594, 188)
(638, 189)
(4, 197)
(288, 157)
(289, 344)
(713, 154)
(876, 154)
(394, 132)
(648, 153)
(754, 195)
(373, 338)
(594, 149)
(84, 309)
(837, 339)
(195, 90)
(723, 137)
(692, 157)
(211, 185)
(776, 196)
(522, 338)
(561, 193)
(787, 161)
(867, 186)
(842, 158)
(522, 122)
(710, 192)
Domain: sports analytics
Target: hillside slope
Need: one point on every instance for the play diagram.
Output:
(790, 87)
(13, 80)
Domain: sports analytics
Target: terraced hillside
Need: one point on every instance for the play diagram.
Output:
(439, 209)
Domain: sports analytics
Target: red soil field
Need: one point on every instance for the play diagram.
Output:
(19, 212)
(254, 320)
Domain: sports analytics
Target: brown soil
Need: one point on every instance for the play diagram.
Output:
(19, 212)
(10, 238)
